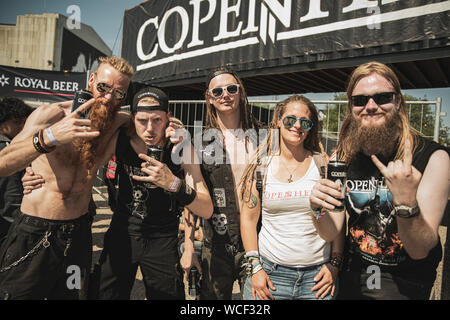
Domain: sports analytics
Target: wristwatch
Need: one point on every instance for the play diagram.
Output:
(403, 211)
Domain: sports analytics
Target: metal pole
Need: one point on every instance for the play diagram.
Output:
(437, 119)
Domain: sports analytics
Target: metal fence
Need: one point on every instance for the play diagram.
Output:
(424, 115)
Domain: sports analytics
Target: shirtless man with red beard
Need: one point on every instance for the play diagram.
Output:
(397, 190)
(53, 232)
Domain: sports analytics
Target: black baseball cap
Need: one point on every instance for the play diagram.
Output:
(153, 92)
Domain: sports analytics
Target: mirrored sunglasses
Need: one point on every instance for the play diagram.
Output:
(290, 121)
(379, 98)
(105, 88)
(218, 91)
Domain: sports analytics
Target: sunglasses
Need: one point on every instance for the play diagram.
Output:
(218, 91)
(116, 93)
(379, 98)
(290, 121)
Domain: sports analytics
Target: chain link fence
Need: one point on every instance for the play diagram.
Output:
(423, 115)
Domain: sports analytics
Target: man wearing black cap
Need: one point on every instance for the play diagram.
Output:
(144, 228)
(223, 256)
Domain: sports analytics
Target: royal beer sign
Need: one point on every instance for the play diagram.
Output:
(40, 85)
(179, 38)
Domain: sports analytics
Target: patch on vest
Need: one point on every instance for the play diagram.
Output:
(219, 197)
(220, 223)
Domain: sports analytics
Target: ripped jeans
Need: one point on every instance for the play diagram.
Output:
(45, 259)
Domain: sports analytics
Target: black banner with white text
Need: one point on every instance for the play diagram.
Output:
(176, 39)
(40, 85)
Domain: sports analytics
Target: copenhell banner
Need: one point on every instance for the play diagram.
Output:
(40, 85)
(174, 39)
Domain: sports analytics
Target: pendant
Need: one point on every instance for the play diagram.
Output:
(290, 179)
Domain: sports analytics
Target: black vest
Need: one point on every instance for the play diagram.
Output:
(224, 225)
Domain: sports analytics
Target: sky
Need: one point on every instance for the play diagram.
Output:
(106, 17)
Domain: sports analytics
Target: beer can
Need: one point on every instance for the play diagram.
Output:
(337, 172)
(156, 153)
(82, 96)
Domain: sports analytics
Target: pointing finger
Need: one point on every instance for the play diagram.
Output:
(378, 164)
(81, 109)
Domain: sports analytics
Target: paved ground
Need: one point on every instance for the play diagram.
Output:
(103, 219)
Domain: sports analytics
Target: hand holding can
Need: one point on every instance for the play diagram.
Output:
(337, 172)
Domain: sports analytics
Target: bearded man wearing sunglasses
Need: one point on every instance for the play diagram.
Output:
(223, 256)
(397, 190)
(53, 231)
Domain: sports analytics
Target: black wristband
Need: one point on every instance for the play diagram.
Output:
(185, 194)
(336, 261)
(37, 145)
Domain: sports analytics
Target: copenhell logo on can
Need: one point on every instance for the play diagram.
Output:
(82, 100)
(341, 174)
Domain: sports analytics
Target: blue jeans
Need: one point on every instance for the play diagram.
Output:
(290, 283)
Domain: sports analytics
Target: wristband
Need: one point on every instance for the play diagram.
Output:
(319, 212)
(42, 143)
(185, 195)
(37, 145)
(336, 261)
(253, 253)
(51, 137)
(175, 185)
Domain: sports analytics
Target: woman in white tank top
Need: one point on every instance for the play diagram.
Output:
(297, 253)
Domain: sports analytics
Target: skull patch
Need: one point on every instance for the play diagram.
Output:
(219, 221)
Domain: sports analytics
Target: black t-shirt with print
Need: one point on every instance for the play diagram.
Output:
(146, 212)
(372, 231)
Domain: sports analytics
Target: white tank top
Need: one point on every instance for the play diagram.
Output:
(288, 236)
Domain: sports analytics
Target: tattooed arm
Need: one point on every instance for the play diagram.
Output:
(250, 213)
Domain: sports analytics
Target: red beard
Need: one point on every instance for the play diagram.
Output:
(101, 116)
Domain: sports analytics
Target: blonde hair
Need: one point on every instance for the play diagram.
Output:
(311, 143)
(407, 132)
(148, 100)
(119, 64)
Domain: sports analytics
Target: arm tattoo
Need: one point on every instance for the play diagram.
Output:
(252, 202)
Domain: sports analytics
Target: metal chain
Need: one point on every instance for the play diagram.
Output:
(44, 241)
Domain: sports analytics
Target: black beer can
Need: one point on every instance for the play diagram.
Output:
(337, 172)
(81, 97)
(156, 153)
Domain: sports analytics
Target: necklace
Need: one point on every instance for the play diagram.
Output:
(290, 173)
